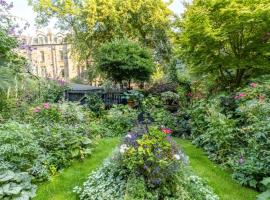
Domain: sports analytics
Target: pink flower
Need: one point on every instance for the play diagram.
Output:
(37, 109)
(236, 97)
(261, 97)
(190, 94)
(242, 95)
(46, 105)
(166, 130)
(253, 85)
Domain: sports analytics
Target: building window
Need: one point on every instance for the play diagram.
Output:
(42, 56)
(40, 40)
(43, 72)
(61, 53)
(46, 40)
(55, 40)
(35, 41)
(62, 72)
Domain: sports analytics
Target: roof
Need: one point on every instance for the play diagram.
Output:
(82, 87)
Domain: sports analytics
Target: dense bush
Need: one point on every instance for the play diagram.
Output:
(118, 120)
(234, 131)
(18, 146)
(151, 155)
(95, 104)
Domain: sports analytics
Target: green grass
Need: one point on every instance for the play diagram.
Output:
(219, 179)
(60, 187)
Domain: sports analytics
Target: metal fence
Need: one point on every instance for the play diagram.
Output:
(109, 98)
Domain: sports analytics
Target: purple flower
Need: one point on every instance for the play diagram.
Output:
(241, 160)
(156, 181)
(3, 3)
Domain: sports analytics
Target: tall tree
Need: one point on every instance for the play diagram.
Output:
(226, 39)
(123, 60)
(94, 22)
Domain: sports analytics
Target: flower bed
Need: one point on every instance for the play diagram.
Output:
(147, 165)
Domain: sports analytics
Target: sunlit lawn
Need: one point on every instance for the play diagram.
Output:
(220, 180)
(60, 188)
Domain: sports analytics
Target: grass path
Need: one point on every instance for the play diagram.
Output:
(60, 188)
(220, 180)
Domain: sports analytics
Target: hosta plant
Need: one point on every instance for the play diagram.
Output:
(16, 185)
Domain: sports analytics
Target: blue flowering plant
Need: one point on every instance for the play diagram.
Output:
(152, 155)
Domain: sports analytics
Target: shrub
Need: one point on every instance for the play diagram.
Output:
(62, 144)
(18, 146)
(170, 98)
(152, 156)
(118, 120)
(73, 113)
(252, 164)
(95, 104)
(234, 130)
(46, 114)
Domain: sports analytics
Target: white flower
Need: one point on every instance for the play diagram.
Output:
(177, 156)
(128, 136)
(123, 148)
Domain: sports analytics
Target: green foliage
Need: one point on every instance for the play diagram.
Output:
(108, 182)
(63, 143)
(117, 121)
(18, 145)
(234, 131)
(170, 98)
(124, 60)
(227, 41)
(46, 114)
(265, 195)
(16, 186)
(153, 157)
(161, 116)
(73, 113)
(95, 104)
(145, 21)
(114, 181)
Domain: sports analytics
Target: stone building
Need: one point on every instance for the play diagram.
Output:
(50, 56)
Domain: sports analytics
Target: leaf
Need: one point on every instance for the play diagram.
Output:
(87, 141)
(75, 153)
(6, 176)
(12, 189)
(266, 182)
(264, 196)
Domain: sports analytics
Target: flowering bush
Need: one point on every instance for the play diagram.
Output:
(234, 131)
(153, 155)
(46, 114)
(157, 173)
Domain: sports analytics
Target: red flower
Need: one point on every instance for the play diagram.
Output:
(166, 130)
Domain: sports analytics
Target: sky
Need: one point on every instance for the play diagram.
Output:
(22, 10)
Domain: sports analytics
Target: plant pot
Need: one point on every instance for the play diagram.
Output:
(131, 103)
(172, 108)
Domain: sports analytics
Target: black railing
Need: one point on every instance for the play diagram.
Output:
(109, 98)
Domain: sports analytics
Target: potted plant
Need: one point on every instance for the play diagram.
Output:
(170, 100)
(132, 97)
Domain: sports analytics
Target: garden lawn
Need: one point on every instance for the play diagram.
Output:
(61, 186)
(219, 179)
